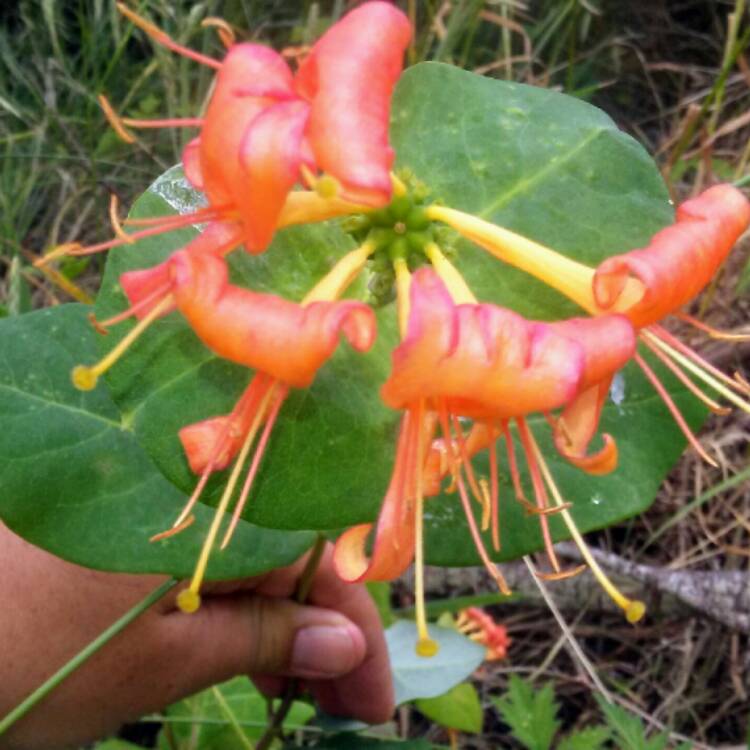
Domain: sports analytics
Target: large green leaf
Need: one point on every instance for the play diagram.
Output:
(74, 480)
(546, 165)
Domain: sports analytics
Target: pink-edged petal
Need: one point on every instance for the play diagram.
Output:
(140, 285)
(608, 342)
(348, 78)
(230, 112)
(285, 340)
(480, 360)
(393, 548)
(576, 427)
(216, 441)
(270, 156)
(679, 260)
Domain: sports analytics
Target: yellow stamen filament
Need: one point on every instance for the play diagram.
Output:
(85, 377)
(685, 380)
(338, 279)
(305, 206)
(426, 646)
(223, 29)
(714, 333)
(633, 609)
(568, 276)
(308, 176)
(114, 219)
(189, 599)
(399, 188)
(450, 276)
(115, 120)
(66, 248)
(403, 285)
(63, 282)
(697, 371)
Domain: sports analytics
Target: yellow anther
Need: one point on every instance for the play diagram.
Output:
(189, 601)
(327, 187)
(634, 611)
(426, 647)
(84, 378)
(632, 608)
(224, 30)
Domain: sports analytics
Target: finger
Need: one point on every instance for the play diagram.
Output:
(251, 634)
(366, 692)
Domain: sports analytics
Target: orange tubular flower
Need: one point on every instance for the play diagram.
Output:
(481, 628)
(493, 366)
(265, 130)
(286, 343)
(645, 285)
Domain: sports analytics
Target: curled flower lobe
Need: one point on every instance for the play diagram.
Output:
(479, 360)
(679, 260)
(608, 342)
(393, 549)
(288, 341)
(348, 78)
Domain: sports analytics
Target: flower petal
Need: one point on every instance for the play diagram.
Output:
(393, 550)
(270, 155)
(679, 261)
(218, 238)
(191, 163)
(287, 341)
(348, 78)
(230, 113)
(481, 360)
(608, 342)
(216, 441)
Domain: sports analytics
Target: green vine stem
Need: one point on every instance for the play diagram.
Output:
(83, 656)
(303, 590)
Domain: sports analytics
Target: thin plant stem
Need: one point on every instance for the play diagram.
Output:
(231, 718)
(303, 591)
(83, 656)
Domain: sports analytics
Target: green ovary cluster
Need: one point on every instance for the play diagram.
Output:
(401, 229)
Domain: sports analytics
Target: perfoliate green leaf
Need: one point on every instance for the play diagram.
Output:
(74, 480)
(545, 165)
(459, 709)
(427, 677)
(530, 714)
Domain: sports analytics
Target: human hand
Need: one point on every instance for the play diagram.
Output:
(52, 609)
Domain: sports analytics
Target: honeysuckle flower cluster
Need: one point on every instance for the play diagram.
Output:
(277, 147)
